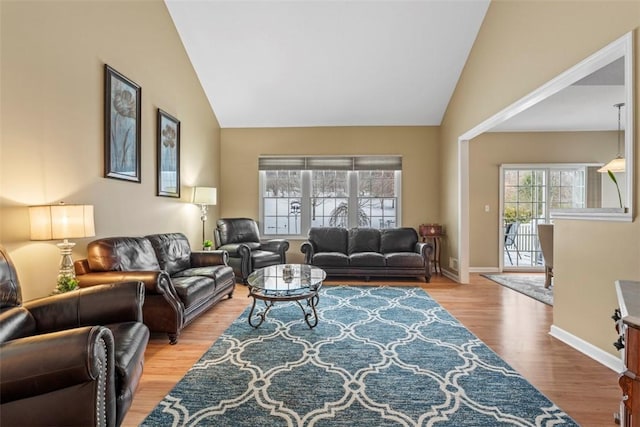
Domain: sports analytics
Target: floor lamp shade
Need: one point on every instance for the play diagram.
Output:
(205, 195)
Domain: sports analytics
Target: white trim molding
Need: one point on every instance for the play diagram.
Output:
(590, 350)
(622, 47)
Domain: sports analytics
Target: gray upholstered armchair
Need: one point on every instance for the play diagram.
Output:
(240, 237)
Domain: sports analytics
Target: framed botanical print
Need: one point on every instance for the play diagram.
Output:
(168, 148)
(121, 126)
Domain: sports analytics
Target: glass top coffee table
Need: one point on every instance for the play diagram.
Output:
(286, 282)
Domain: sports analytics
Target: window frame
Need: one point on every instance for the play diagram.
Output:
(301, 164)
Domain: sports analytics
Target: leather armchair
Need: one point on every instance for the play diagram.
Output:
(73, 359)
(240, 237)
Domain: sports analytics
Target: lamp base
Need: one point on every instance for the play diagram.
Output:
(66, 261)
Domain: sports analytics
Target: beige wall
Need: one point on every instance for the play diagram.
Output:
(489, 151)
(51, 149)
(522, 45)
(418, 147)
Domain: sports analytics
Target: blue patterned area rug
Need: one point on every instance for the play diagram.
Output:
(531, 285)
(380, 356)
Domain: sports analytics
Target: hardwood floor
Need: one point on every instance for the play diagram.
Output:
(515, 326)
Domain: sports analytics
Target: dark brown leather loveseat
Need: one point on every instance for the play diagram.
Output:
(179, 284)
(368, 252)
(73, 359)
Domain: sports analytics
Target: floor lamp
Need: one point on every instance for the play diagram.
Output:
(204, 196)
(62, 221)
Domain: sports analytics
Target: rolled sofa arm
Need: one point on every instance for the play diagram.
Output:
(152, 279)
(95, 305)
(425, 249)
(43, 364)
(308, 250)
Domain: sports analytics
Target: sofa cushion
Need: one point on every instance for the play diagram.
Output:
(364, 240)
(330, 259)
(172, 250)
(366, 259)
(121, 254)
(329, 239)
(192, 290)
(398, 240)
(405, 259)
(237, 230)
(215, 272)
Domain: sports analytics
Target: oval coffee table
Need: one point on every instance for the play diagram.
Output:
(286, 282)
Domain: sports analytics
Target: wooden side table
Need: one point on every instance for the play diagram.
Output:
(435, 256)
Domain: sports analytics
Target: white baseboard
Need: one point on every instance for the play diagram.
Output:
(484, 270)
(450, 275)
(607, 359)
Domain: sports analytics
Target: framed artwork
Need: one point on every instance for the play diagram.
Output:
(121, 126)
(168, 147)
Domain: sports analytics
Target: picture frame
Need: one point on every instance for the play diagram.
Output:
(122, 117)
(168, 155)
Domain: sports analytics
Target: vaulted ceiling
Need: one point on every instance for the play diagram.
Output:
(328, 63)
(300, 63)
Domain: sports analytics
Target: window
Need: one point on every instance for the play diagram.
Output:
(281, 198)
(297, 193)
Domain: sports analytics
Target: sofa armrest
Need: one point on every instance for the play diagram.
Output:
(236, 249)
(96, 305)
(153, 280)
(308, 250)
(425, 249)
(207, 258)
(45, 363)
(280, 246)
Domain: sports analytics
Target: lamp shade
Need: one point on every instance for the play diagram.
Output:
(61, 222)
(205, 195)
(615, 165)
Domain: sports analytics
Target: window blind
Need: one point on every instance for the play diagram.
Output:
(330, 163)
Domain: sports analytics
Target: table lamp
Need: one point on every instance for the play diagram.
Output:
(53, 222)
(204, 196)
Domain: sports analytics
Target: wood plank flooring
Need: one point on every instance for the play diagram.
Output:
(515, 326)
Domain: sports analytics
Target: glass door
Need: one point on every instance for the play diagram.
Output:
(528, 193)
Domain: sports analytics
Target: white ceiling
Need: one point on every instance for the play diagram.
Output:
(328, 63)
(286, 63)
(587, 105)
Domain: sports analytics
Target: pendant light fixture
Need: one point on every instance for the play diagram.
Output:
(618, 164)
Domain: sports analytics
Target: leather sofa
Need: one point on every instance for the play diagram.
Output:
(179, 284)
(368, 252)
(73, 359)
(247, 251)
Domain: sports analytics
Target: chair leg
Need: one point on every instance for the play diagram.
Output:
(548, 274)
(517, 251)
(509, 255)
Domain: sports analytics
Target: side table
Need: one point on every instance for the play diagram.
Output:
(435, 256)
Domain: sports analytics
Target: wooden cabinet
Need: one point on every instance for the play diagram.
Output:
(628, 293)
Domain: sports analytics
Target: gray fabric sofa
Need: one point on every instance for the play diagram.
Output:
(368, 252)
